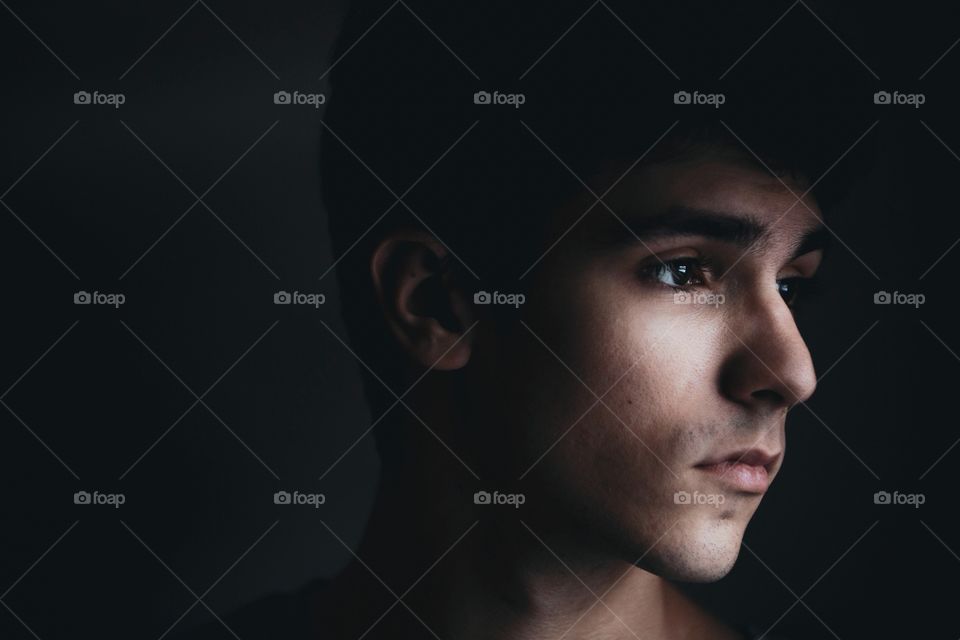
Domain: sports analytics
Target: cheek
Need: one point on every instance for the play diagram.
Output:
(669, 363)
(659, 366)
(649, 362)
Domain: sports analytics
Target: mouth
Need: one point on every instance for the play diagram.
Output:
(747, 470)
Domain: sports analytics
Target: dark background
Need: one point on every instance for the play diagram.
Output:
(100, 199)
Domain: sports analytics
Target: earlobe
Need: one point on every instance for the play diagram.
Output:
(423, 299)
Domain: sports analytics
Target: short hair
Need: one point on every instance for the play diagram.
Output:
(403, 91)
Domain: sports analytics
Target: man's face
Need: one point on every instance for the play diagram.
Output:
(645, 399)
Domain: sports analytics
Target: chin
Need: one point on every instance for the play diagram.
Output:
(697, 550)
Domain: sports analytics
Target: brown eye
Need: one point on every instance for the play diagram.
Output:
(678, 273)
(789, 289)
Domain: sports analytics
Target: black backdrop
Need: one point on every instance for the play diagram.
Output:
(102, 399)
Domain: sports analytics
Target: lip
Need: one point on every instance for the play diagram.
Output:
(746, 470)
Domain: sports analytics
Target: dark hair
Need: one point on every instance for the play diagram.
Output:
(402, 94)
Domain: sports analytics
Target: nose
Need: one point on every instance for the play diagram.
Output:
(768, 365)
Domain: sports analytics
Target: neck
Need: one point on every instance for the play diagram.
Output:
(468, 572)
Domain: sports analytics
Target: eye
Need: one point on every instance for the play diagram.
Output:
(791, 288)
(678, 273)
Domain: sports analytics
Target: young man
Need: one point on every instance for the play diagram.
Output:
(576, 309)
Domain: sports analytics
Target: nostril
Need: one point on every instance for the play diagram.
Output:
(769, 396)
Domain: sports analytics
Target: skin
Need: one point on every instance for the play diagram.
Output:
(600, 538)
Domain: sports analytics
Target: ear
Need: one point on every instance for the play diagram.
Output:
(423, 299)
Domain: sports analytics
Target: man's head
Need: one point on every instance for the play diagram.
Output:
(634, 374)
(654, 350)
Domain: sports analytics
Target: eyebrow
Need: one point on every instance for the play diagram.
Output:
(735, 229)
(741, 230)
(816, 239)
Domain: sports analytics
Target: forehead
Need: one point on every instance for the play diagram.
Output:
(735, 187)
